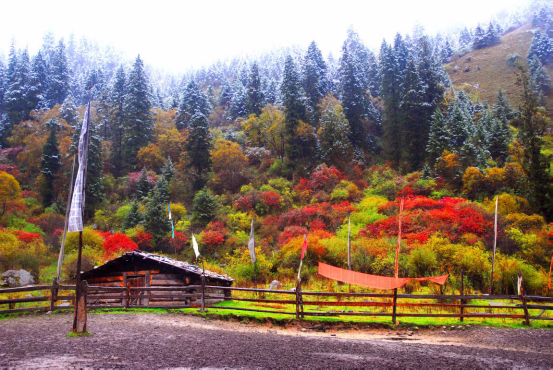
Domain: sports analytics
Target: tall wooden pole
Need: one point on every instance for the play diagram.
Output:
(78, 284)
(494, 245)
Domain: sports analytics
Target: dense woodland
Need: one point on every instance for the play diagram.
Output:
(295, 141)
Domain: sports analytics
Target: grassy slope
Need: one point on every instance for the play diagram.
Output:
(494, 72)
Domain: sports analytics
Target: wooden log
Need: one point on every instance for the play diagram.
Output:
(163, 289)
(127, 296)
(28, 309)
(53, 294)
(166, 282)
(168, 277)
(81, 308)
(102, 288)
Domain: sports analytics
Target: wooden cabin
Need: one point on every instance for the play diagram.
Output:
(142, 269)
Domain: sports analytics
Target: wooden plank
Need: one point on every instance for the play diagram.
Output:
(22, 300)
(28, 309)
(179, 277)
(124, 285)
(167, 282)
(161, 288)
(30, 288)
(147, 283)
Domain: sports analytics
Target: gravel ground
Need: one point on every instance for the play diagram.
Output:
(153, 341)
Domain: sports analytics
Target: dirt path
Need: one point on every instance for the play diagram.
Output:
(149, 341)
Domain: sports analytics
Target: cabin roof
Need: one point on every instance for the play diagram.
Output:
(142, 256)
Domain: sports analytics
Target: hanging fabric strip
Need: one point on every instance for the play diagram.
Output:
(372, 281)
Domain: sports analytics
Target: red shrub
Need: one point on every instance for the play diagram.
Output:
(325, 178)
(271, 199)
(244, 203)
(144, 240)
(27, 237)
(317, 224)
(291, 232)
(119, 242)
(213, 239)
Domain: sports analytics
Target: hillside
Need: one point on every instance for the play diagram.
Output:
(482, 72)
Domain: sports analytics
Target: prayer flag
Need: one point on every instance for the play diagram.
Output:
(304, 247)
(78, 198)
(195, 246)
(251, 244)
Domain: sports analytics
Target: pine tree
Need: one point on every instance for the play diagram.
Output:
(502, 110)
(198, 148)
(133, 217)
(193, 101)
(60, 76)
(162, 186)
(334, 135)
(460, 126)
(314, 81)
(391, 94)
(254, 94)
(237, 106)
(499, 137)
(414, 123)
(95, 178)
(49, 167)
(539, 79)
(38, 83)
(294, 111)
(533, 122)
(491, 37)
(143, 185)
(204, 207)
(117, 118)
(439, 138)
(479, 41)
(156, 220)
(542, 47)
(168, 170)
(465, 39)
(138, 123)
(15, 98)
(226, 94)
(69, 113)
(475, 151)
(355, 99)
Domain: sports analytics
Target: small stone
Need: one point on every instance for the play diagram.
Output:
(49, 313)
(332, 335)
(416, 328)
(303, 329)
(444, 332)
(410, 333)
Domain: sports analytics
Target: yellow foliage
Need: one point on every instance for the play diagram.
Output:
(9, 190)
(9, 247)
(507, 204)
(150, 157)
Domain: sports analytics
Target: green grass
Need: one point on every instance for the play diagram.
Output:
(73, 334)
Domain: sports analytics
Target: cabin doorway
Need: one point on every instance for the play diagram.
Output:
(136, 281)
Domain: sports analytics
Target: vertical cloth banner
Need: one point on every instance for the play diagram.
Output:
(78, 199)
(398, 238)
(195, 246)
(303, 250)
(171, 220)
(251, 244)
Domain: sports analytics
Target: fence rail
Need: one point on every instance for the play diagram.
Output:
(456, 306)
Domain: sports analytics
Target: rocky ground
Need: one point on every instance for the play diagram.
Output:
(150, 341)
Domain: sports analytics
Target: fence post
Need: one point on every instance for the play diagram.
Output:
(394, 321)
(297, 300)
(146, 301)
(124, 285)
(523, 299)
(203, 293)
(81, 311)
(127, 295)
(53, 294)
(462, 293)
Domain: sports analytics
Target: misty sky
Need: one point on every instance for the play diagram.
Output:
(177, 35)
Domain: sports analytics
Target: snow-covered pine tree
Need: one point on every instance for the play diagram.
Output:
(138, 123)
(60, 76)
(95, 174)
(254, 94)
(155, 218)
(333, 135)
(439, 138)
(314, 81)
(168, 169)
(414, 123)
(539, 79)
(294, 110)
(15, 98)
(479, 40)
(391, 94)
(38, 83)
(542, 47)
(193, 101)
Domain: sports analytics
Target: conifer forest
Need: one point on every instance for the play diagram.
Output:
(298, 142)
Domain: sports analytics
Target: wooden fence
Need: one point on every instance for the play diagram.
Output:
(300, 303)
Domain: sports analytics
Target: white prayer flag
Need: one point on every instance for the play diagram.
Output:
(78, 198)
(251, 244)
(195, 246)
